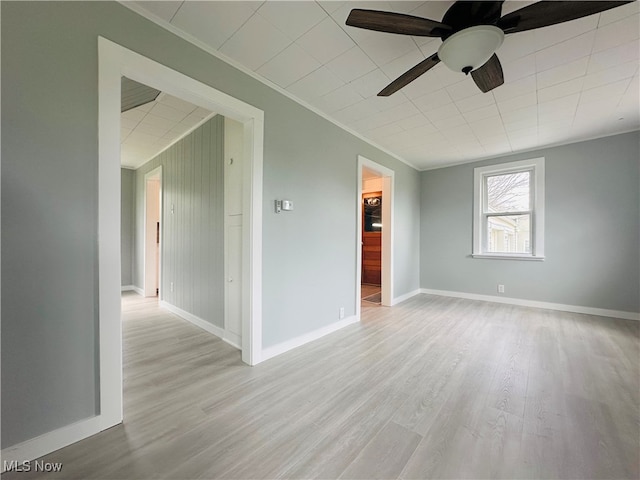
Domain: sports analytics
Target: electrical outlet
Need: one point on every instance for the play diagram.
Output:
(500, 288)
(171, 286)
(341, 313)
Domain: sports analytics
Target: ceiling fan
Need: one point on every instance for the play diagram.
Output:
(471, 32)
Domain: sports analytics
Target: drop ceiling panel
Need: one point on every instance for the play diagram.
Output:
(563, 83)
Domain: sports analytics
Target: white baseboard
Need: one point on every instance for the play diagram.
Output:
(283, 347)
(127, 288)
(404, 297)
(228, 337)
(601, 312)
(44, 444)
(138, 290)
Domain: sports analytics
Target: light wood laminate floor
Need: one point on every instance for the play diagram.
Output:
(432, 388)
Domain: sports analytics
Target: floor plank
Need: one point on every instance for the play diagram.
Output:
(432, 388)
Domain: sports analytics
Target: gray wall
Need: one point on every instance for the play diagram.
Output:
(49, 196)
(592, 231)
(127, 219)
(192, 236)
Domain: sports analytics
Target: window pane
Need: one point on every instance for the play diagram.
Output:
(508, 193)
(509, 234)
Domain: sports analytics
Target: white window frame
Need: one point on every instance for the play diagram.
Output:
(536, 167)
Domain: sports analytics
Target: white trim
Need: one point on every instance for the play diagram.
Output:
(499, 256)
(406, 296)
(138, 290)
(127, 288)
(536, 166)
(113, 62)
(219, 55)
(219, 332)
(296, 342)
(37, 447)
(601, 312)
(388, 205)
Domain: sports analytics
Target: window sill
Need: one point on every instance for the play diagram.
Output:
(509, 257)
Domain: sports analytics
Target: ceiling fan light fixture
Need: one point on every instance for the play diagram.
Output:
(470, 48)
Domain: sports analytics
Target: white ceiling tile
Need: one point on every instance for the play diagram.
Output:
(255, 43)
(141, 138)
(331, 6)
(612, 57)
(428, 45)
(463, 89)
(461, 133)
(414, 121)
(516, 45)
(383, 49)
(165, 10)
(325, 41)
(434, 100)
(517, 103)
(565, 52)
(442, 113)
(475, 102)
(610, 75)
(498, 140)
(432, 10)
(481, 113)
(448, 77)
(385, 103)
(401, 64)
(316, 84)
(560, 90)
(594, 110)
(293, 18)
(212, 22)
(528, 123)
(370, 84)
(288, 66)
(564, 106)
(161, 123)
(128, 123)
(554, 34)
(165, 111)
(617, 33)
(370, 122)
(515, 89)
(619, 13)
(424, 84)
(174, 102)
(352, 64)
(338, 99)
(520, 114)
(385, 131)
(488, 127)
(152, 129)
(449, 122)
(609, 91)
(519, 68)
(562, 73)
(355, 112)
(134, 115)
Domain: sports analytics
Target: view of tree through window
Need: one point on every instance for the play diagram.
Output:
(509, 213)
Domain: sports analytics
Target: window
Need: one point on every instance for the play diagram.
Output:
(509, 210)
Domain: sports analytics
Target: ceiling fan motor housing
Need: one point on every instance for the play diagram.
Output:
(470, 48)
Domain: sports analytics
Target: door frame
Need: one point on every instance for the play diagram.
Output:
(388, 182)
(156, 172)
(114, 61)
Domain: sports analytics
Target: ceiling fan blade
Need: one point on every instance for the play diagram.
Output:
(410, 75)
(543, 14)
(396, 23)
(489, 75)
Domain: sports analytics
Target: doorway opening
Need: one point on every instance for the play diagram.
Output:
(375, 196)
(114, 62)
(152, 216)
